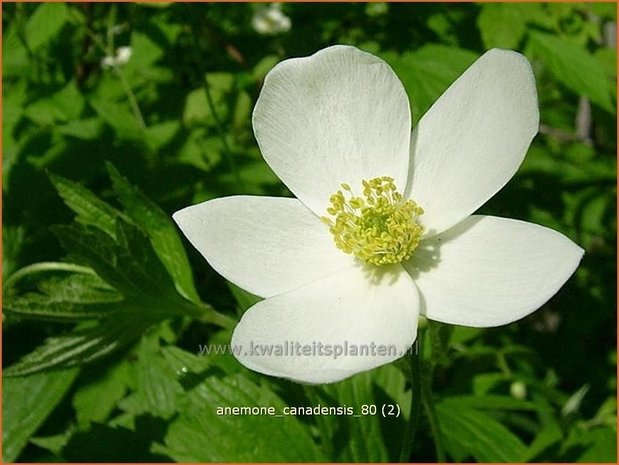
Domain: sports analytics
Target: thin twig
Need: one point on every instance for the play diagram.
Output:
(211, 104)
(415, 409)
(137, 113)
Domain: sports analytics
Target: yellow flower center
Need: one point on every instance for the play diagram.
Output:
(379, 228)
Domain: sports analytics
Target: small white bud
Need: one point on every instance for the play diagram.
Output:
(518, 390)
(123, 54)
(271, 20)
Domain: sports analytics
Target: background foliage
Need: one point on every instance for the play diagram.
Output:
(105, 305)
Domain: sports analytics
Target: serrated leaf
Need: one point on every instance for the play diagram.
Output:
(89, 208)
(85, 344)
(127, 263)
(26, 403)
(160, 230)
(182, 361)
(573, 66)
(477, 434)
(157, 385)
(73, 297)
(38, 306)
(199, 434)
(45, 23)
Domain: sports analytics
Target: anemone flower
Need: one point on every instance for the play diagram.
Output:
(381, 230)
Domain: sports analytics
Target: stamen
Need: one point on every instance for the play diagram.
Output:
(379, 228)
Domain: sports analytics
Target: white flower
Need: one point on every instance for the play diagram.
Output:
(342, 116)
(270, 20)
(123, 54)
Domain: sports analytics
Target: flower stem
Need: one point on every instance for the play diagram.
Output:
(428, 404)
(428, 400)
(206, 314)
(220, 131)
(133, 102)
(313, 395)
(227, 152)
(415, 409)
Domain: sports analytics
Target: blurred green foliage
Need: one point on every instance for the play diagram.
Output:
(105, 306)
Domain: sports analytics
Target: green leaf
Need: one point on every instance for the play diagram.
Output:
(119, 116)
(550, 433)
(474, 433)
(89, 208)
(73, 297)
(573, 66)
(87, 343)
(63, 106)
(158, 135)
(128, 262)
(369, 438)
(15, 60)
(45, 24)
(102, 443)
(53, 443)
(602, 446)
(183, 362)
(84, 129)
(26, 403)
(428, 71)
(493, 402)
(159, 228)
(196, 107)
(503, 25)
(243, 298)
(95, 399)
(197, 110)
(157, 386)
(199, 434)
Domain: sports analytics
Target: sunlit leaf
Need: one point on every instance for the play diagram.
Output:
(26, 403)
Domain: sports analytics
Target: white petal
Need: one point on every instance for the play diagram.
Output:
(264, 245)
(350, 308)
(473, 139)
(340, 115)
(490, 271)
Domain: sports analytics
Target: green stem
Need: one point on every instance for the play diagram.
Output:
(322, 422)
(207, 314)
(108, 50)
(211, 105)
(137, 113)
(428, 403)
(219, 319)
(220, 131)
(415, 409)
(42, 267)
